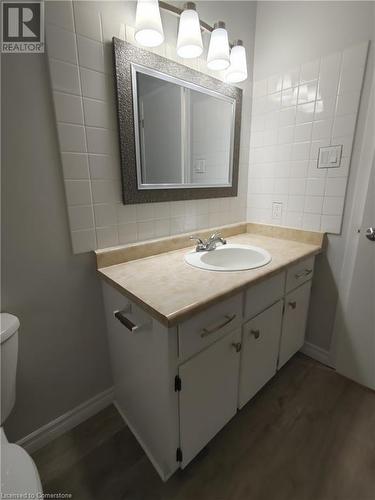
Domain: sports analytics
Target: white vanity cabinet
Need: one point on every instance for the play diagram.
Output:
(294, 322)
(296, 308)
(260, 349)
(208, 395)
(177, 386)
(206, 327)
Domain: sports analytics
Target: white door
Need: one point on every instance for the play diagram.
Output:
(208, 396)
(354, 332)
(355, 323)
(294, 322)
(260, 348)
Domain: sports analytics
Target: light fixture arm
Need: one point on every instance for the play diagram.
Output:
(177, 11)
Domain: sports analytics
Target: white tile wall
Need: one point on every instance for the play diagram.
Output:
(79, 48)
(68, 107)
(65, 77)
(318, 107)
(75, 166)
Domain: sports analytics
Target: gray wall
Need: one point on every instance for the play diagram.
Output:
(63, 357)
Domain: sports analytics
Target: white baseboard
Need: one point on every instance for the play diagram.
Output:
(315, 352)
(64, 423)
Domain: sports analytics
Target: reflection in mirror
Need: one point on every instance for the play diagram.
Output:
(179, 129)
(184, 133)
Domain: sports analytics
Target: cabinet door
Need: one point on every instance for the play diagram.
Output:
(294, 322)
(208, 397)
(260, 347)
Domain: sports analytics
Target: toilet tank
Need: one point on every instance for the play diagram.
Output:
(9, 325)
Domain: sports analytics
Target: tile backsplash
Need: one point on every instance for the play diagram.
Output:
(293, 115)
(79, 48)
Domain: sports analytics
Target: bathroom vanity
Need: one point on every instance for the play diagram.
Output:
(190, 347)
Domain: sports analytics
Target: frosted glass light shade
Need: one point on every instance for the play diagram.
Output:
(148, 27)
(237, 71)
(218, 50)
(189, 40)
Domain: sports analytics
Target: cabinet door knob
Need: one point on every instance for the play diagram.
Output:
(293, 304)
(237, 346)
(255, 333)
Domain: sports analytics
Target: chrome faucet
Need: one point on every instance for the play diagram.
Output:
(209, 244)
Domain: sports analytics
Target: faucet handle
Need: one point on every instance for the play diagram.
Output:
(201, 246)
(214, 236)
(195, 238)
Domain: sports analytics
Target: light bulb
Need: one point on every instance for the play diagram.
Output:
(218, 50)
(189, 40)
(237, 71)
(148, 27)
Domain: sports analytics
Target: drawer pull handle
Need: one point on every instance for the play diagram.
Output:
(126, 321)
(209, 331)
(237, 346)
(292, 304)
(305, 272)
(255, 333)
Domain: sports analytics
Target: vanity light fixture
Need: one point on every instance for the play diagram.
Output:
(148, 27)
(189, 40)
(149, 33)
(218, 50)
(237, 71)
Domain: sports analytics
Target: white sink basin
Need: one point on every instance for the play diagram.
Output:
(229, 257)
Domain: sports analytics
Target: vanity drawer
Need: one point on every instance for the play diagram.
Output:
(299, 273)
(206, 327)
(263, 295)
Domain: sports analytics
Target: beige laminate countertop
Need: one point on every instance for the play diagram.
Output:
(172, 291)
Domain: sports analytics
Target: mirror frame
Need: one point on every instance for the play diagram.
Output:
(125, 55)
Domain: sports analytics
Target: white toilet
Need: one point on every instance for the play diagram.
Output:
(19, 474)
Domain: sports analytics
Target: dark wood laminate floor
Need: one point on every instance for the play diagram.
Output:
(308, 435)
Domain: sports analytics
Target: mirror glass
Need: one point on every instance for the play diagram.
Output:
(183, 132)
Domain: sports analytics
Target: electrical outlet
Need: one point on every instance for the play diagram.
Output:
(277, 210)
(200, 166)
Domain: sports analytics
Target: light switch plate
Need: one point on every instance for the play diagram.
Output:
(330, 156)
